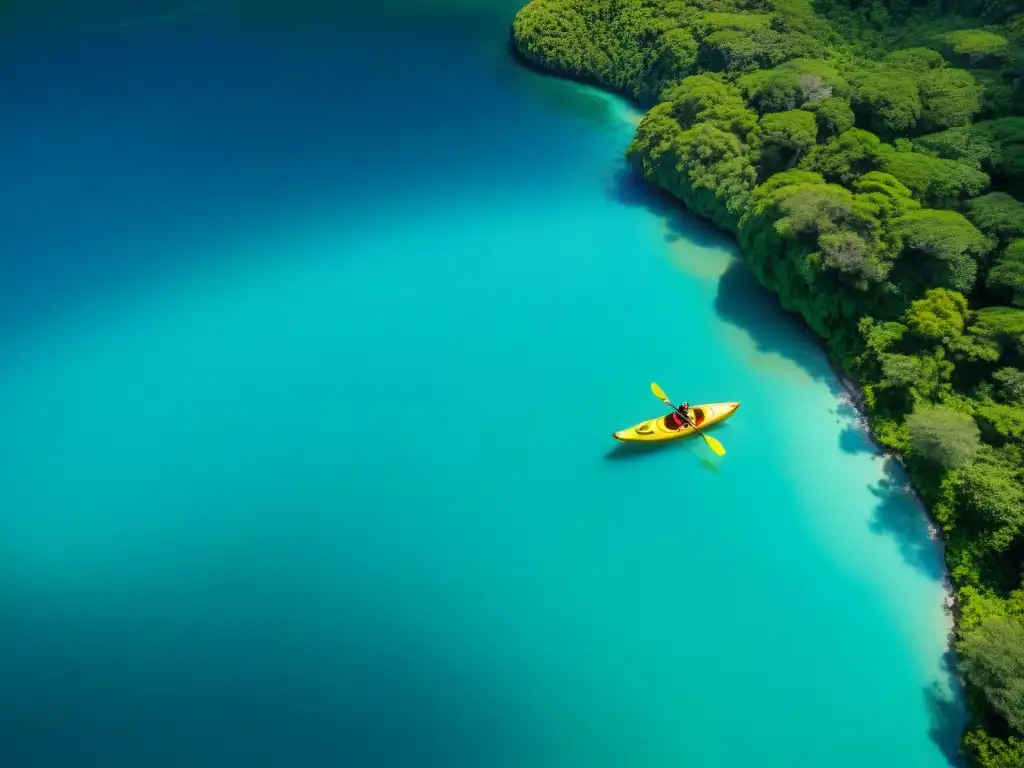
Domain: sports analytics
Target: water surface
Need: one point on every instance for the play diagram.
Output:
(314, 330)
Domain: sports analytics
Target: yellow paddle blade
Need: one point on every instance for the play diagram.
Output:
(712, 442)
(714, 445)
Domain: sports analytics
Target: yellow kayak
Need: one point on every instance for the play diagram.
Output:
(663, 429)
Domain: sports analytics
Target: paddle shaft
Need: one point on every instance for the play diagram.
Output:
(713, 444)
(685, 420)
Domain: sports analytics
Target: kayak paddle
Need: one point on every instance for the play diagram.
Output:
(713, 444)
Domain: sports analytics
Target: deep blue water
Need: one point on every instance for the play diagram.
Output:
(314, 328)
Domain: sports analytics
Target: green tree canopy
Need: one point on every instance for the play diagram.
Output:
(915, 59)
(990, 496)
(834, 116)
(675, 58)
(922, 376)
(1002, 423)
(941, 314)
(796, 83)
(993, 661)
(785, 137)
(702, 98)
(964, 144)
(998, 215)
(1007, 274)
(976, 47)
(942, 243)
(934, 181)
(711, 170)
(994, 146)
(1005, 138)
(1002, 328)
(943, 436)
(1010, 385)
(887, 101)
(880, 337)
(997, 98)
(988, 751)
(949, 97)
(888, 197)
(845, 157)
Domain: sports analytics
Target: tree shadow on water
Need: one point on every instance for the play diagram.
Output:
(629, 188)
(740, 301)
(854, 438)
(576, 98)
(901, 515)
(743, 303)
(947, 714)
(846, 409)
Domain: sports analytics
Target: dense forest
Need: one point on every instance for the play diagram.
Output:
(868, 156)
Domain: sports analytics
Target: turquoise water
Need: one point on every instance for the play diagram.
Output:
(315, 328)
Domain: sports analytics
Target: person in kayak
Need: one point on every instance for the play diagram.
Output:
(685, 408)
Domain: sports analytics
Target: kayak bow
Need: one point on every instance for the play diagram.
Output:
(664, 428)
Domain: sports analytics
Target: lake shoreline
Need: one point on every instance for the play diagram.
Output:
(845, 381)
(857, 402)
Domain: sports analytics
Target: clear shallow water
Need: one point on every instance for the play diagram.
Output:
(305, 457)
